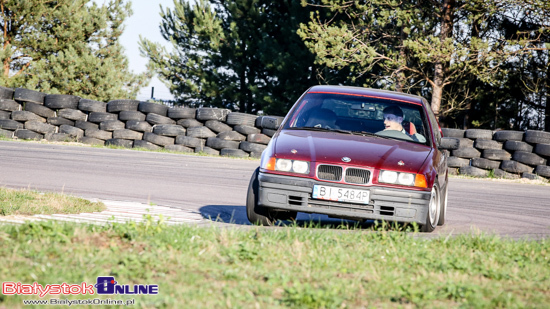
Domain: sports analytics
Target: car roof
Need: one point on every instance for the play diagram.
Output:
(369, 92)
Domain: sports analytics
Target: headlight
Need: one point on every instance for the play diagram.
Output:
(286, 165)
(404, 179)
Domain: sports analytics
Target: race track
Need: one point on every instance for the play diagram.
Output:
(216, 187)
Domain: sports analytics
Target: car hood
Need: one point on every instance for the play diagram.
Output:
(369, 151)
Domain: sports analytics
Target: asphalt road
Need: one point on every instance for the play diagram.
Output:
(216, 187)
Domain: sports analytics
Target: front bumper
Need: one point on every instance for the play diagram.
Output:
(294, 194)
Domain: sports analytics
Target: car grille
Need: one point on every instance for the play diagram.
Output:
(329, 172)
(357, 175)
(334, 173)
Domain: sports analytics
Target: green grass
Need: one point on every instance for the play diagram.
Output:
(28, 202)
(209, 267)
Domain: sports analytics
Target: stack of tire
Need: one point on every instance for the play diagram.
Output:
(28, 114)
(503, 154)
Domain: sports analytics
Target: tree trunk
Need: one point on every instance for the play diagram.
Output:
(441, 65)
(547, 94)
(400, 83)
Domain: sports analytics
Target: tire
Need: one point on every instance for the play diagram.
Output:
(157, 139)
(57, 101)
(40, 110)
(72, 114)
(111, 125)
(485, 164)
(478, 134)
(98, 134)
(255, 154)
(57, 121)
(122, 105)
(189, 123)
(443, 205)
(508, 135)
(530, 176)
(98, 117)
(169, 130)
(512, 166)
(241, 119)
(26, 116)
(255, 213)
(543, 150)
(252, 147)
(487, 144)
(59, 137)
(473, 171)
(181, 113)
(9, 124)
(212, 114)
(72, 131)
(140, 126)
(119, 142)
(499, 173)
(146, 145)
(191, 142)
(158, 119)
(432, 216)
(216, 143)
(272, 122)
(5, 115)
(91, 141)
(518, 146)
(231, 136)
(207, 150)
(537, 137)
(200, 132)
(131, 115)
(6, 133)
(156, 108)
(467, 152)
(217, 126)
(528, 158)
(448, 132)
(88, 105)
(85, 125)
(269, 132)
(127, 134)
(26, 95)
(465, 142)
(179, 148)
(496, 154)
(229, 152)
(543, 170)
(258, 138)
(28, 134)
(6, 93)
(9, 105)
(40, 127)
(449, 143)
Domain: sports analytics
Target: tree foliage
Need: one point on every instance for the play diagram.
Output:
(458, 53)
(239, 54)
(68, 47)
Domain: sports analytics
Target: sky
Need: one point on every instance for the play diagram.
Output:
(145, 22)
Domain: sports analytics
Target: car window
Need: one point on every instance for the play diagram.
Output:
(354, 113)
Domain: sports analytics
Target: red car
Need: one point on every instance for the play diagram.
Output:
(353, 153)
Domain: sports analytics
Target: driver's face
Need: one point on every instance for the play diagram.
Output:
(392, 122)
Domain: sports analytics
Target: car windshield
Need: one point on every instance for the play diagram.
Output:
(365, 115)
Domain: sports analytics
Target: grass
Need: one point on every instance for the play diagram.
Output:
(28, 202)
(198, 267)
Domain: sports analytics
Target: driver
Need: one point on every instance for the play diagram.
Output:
(393, 120)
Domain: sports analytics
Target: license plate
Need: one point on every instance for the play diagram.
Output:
(341, 194)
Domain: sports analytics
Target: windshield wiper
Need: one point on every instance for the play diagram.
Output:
(321, 129)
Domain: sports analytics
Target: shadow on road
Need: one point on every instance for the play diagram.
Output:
(237, 215)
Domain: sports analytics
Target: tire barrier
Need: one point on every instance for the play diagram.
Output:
(29, 114)
(503, 153)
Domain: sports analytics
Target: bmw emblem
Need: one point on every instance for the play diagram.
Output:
(401, 163)
(346, 159)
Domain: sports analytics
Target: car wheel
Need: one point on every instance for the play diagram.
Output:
(255, 213)
(443, 206)
(432, 216)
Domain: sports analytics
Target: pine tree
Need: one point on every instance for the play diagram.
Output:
(241, 54)
(67, 47)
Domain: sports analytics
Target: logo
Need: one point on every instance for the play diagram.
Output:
(401, 163)
(346, 159)
(294, 151)
(108, 285)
